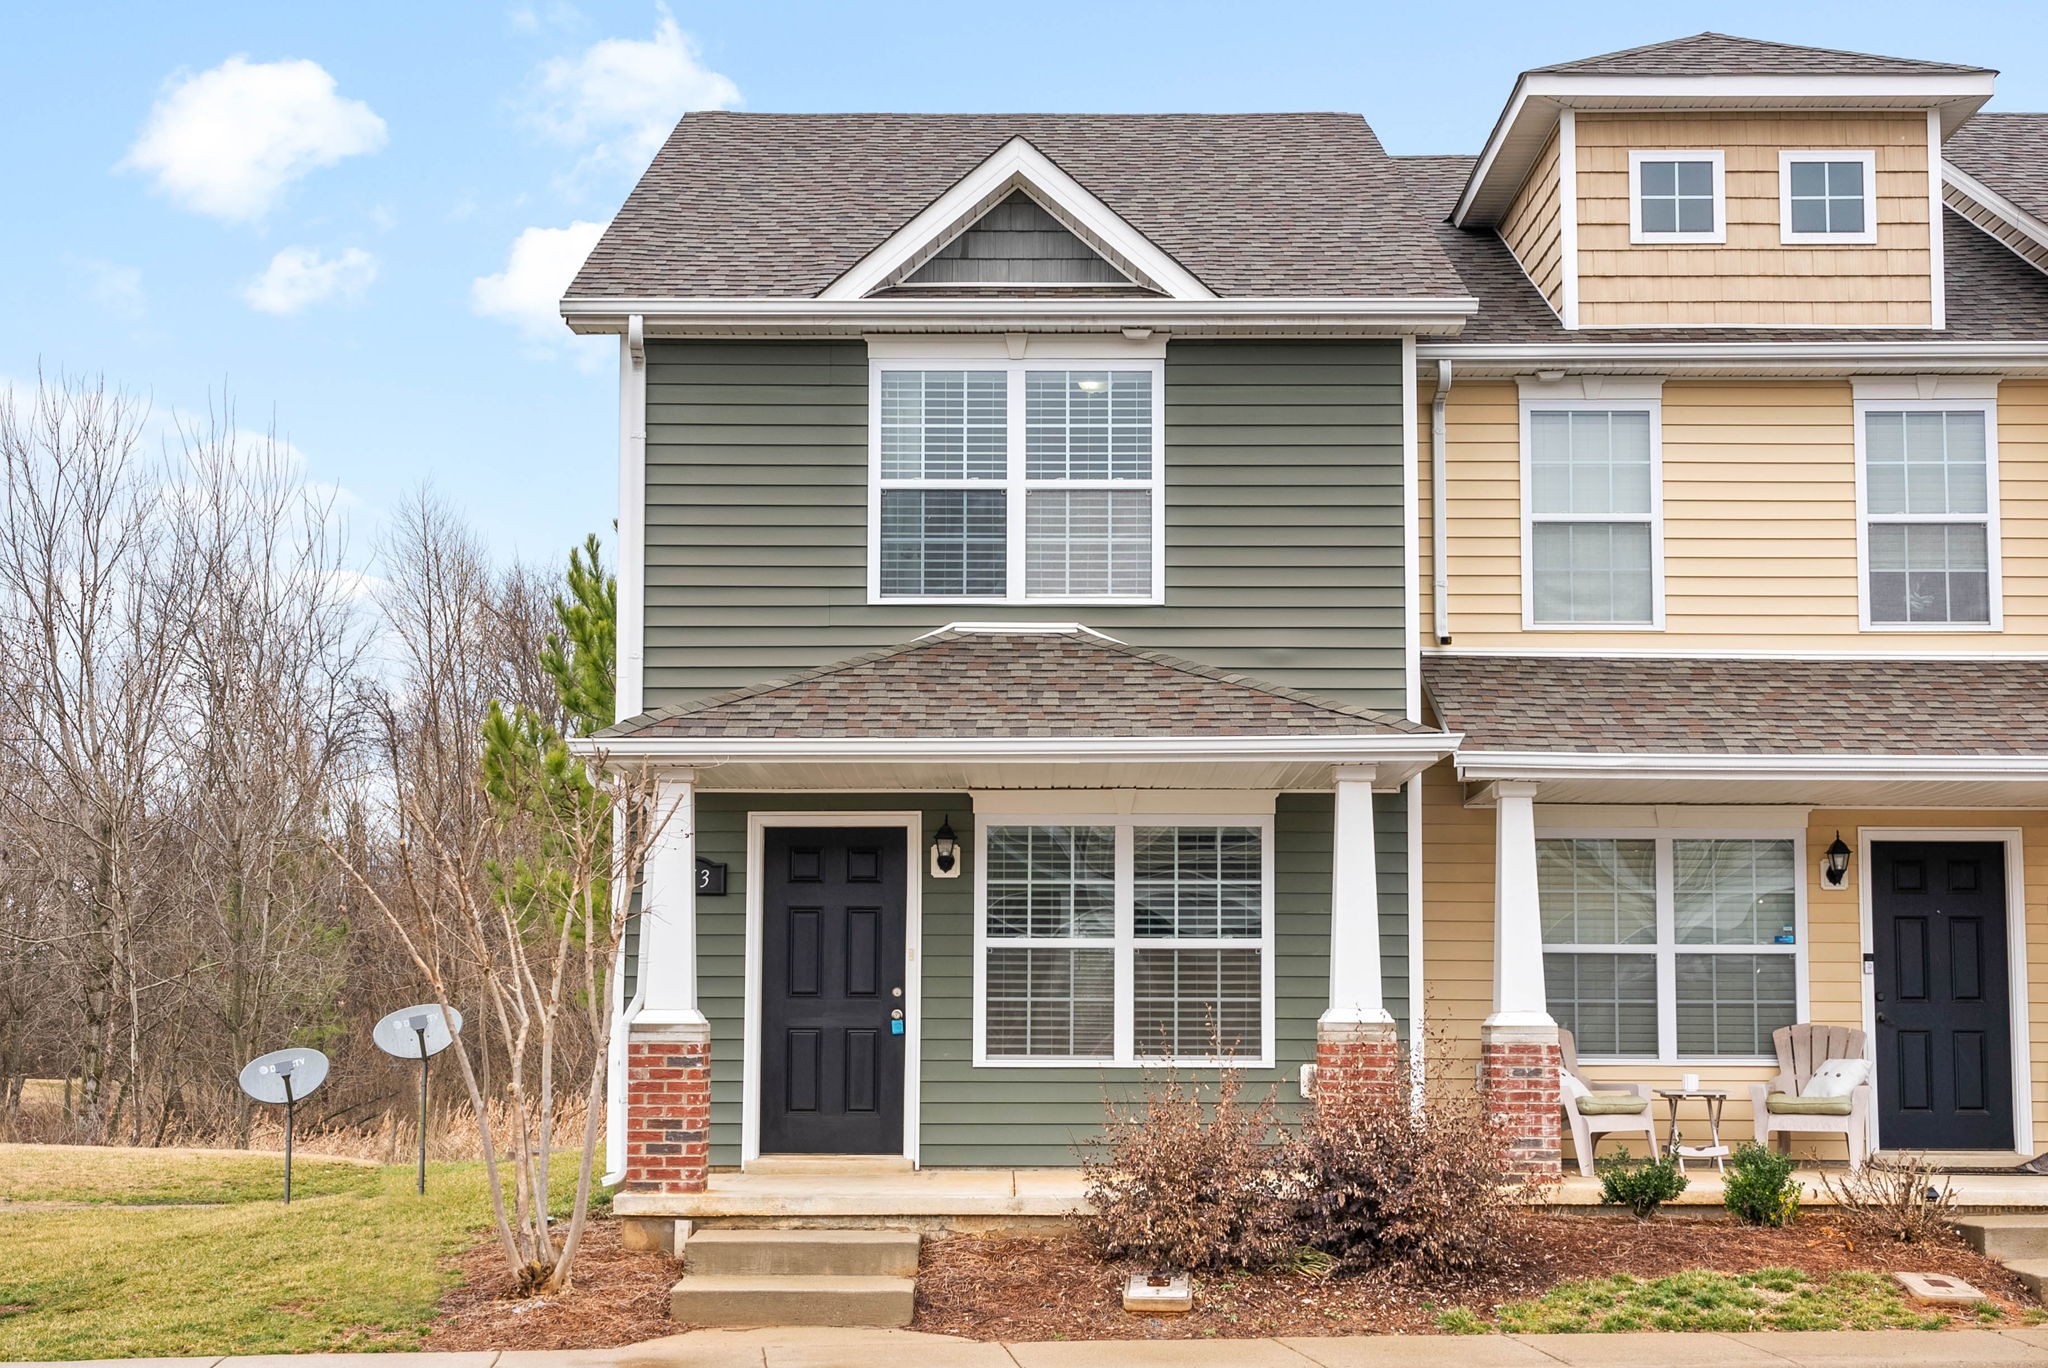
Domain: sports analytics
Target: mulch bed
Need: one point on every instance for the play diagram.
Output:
(1051, 1287)
(619, 1297)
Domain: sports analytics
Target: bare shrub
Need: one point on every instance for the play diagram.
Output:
(1894, 1201)
(1389, 1184)
(1191, 1178)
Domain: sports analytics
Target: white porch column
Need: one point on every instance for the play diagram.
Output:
(668, 910)
(1519, 997)
(1356, 997)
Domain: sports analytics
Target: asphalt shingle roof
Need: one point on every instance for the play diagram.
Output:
(1014, 684)
(1749, 707)
(1254, 205)
(1993, 295)
(2009, 153)
(1723, 54)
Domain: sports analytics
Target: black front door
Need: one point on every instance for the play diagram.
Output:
(1944, 1015)
(832, 1005)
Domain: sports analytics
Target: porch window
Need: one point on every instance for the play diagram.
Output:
(1671, 948)
(1930, 545)
(1592, 504)
(1017, 483)
(1125, 942)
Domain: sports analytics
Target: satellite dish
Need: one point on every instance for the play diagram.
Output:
(405, 1031)
(284, 1076)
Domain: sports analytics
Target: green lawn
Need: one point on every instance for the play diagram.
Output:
(1768, 1299)
(359, 1262)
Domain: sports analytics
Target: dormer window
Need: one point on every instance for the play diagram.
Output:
(1827, 197)
(1676, 197)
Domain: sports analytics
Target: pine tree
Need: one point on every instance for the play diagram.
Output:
(583, 657)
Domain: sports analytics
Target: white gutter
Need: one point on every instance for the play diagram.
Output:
(708, 750)
(1439, 505)
(1486, 765)
(1675, 357)
(679, 316)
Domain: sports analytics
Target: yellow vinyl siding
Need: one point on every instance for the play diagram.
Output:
(1759, 481)
(1753, 278)
(1531, 228)
(1457, 873)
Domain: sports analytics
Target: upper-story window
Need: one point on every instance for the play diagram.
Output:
(1590, 544)
(1018, 482)
(1676, 197)
(1827, 197)
(1928, 482)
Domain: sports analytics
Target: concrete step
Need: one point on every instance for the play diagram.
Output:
(748, 1300)
(803, 1253)
(2007, 1237)
(2033, 1272)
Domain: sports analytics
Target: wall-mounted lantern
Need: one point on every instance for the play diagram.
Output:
(1834, 864)
(945, 851)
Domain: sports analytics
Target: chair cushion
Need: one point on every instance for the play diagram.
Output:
(1837, 1078)
(1612, 1104)
(1786, 1104)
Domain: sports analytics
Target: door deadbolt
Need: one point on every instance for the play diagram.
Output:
(896, 992)
(896, 1015)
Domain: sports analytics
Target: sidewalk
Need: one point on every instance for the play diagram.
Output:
(812, 1348)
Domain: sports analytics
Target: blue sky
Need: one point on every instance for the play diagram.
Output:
(351, 216)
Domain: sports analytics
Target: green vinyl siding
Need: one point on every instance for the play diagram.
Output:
(1024, 1116)
(1284, 517)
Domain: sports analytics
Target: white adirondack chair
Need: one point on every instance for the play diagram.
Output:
(1587, 1130)
(1801, 1050)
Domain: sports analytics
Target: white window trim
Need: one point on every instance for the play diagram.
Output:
(1603, 403)
(1667, 948)
(1993, 560)
(1791, 239)
(1014, 485)
(1637, 234)
(1126, 942)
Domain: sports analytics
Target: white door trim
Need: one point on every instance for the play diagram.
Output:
(758, 823)
(2012, 838)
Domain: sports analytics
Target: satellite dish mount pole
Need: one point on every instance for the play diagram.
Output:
(289, 1107)
(421, 1031)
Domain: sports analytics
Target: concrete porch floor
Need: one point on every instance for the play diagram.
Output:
(821, 1194)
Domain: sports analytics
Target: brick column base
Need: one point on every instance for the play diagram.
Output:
(1357, 1063)
(1518, 1081)
(668, 1109)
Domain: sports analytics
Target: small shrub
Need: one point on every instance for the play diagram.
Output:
(1759, 1189)
(1189, 1183)
(1641, 1185)
(1386, 1184)
(1897, 1201)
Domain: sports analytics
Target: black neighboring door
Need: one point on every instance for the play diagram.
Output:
(832, 909)
(1944, 1012)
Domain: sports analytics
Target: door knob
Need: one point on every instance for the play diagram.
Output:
(1880, 1018)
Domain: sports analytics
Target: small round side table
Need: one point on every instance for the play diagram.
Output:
(1714, 1098)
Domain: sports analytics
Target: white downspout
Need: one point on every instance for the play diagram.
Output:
(615, 1069)
(1440, 507)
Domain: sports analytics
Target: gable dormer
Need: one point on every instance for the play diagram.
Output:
(1725, 182)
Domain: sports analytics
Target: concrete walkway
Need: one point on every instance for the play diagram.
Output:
(791, 1348)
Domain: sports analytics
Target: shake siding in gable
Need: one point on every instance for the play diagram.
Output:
(1753, 278)
(1032, 1117)
(1531, 228)
(1283, 517)
(1741, 572)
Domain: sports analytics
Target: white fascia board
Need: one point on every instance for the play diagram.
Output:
(1016, 161)
(2008, 213)
(1337, 750)
(1392, 317)
(1480, 766)
(1538, 96)
(1679, 356)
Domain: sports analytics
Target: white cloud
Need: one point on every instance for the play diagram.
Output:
(537, 272)
(620, 98)
(112, 286)
(227, 141)
(298, 277)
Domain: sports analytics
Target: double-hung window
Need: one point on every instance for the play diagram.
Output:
(1929, 487)
(1827, 197)
(1671, 947)
(1676, 197)
(1017, 482)
(1125, 941)
(1591, 548)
